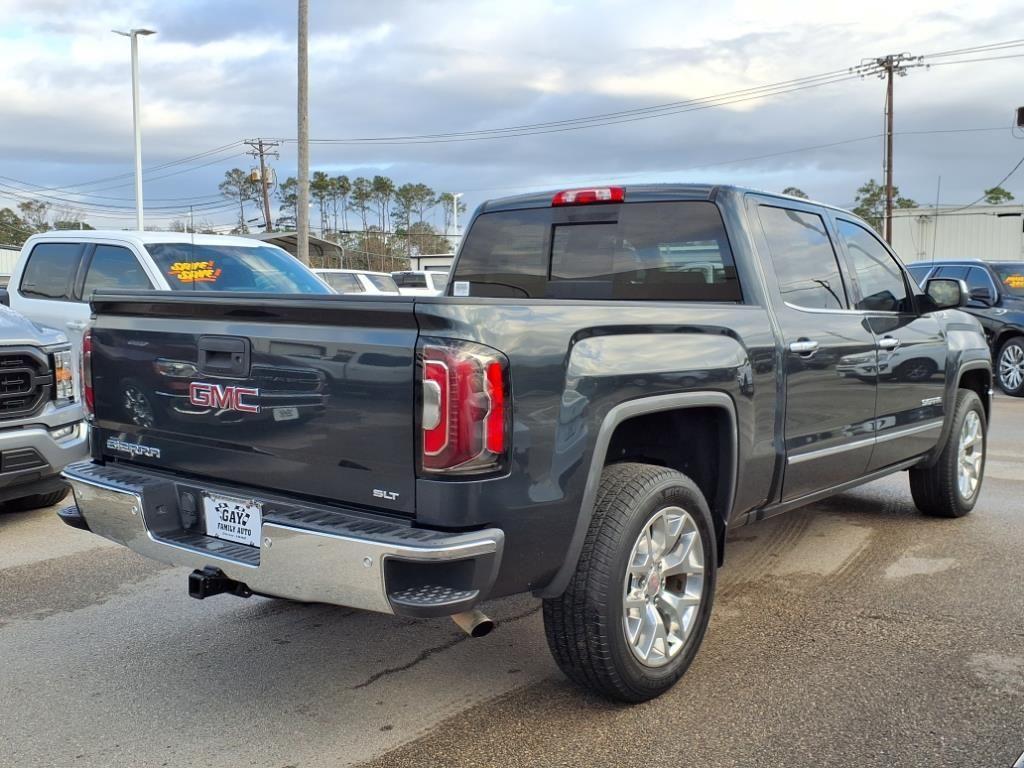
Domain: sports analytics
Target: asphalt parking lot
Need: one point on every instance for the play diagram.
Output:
(853, 632)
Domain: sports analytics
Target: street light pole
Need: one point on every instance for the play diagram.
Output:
(133, 34)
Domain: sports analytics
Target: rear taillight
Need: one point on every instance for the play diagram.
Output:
(466, 414)
(589, 196)
(87, 394)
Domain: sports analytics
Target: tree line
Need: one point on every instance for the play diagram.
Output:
(378, 223)
(35, 216)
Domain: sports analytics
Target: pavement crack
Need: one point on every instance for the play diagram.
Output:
(426, 653)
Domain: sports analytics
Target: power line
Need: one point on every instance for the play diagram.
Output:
(593, 122)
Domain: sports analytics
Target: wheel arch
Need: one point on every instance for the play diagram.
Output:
(721, 483)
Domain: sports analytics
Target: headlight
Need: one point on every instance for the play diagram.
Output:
(64, 387)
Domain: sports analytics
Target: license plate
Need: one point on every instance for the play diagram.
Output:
(286, 414)
(233, 519)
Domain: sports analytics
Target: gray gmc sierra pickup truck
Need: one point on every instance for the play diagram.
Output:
(617, 377)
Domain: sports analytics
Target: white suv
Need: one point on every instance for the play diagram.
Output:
(358, 281)
(57, 272)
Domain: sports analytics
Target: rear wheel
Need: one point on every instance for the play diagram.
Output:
(1010, 367)
(634, 614)
(950, 488)
(35, 501)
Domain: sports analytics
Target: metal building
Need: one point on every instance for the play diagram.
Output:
(990, 232)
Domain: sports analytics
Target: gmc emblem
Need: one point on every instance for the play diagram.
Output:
(227, 398)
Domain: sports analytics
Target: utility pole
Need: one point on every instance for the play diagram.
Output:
(888, 67)
(261, 148)
(455, 217)
(302, 204)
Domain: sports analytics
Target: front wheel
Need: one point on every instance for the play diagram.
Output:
(1010, 367)
(950, 488)
(634, 614)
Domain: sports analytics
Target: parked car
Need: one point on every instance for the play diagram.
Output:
(57, 272)
(358, 281)
(421, 282)
(997, 300)
(41, 421)
(584, 417)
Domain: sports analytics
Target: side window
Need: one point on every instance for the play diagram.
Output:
(952, 273)
(343, 282)
(919, 272)
(805, 261)
(882, 287)
(50, 271)
(977, 278)
(113, 267)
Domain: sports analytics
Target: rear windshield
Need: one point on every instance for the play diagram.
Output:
(1011, 278)
(383, 283)
(410, 279)
(670, 251)
(260, 268)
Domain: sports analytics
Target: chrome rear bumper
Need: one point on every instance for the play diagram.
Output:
(307, 553)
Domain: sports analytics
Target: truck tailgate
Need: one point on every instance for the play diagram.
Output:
(312, 397)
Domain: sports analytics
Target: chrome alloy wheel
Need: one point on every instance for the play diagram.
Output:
(664, 586)
(1011, 366)
(971, 454)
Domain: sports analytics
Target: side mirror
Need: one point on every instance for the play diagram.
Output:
(947, 293)
(983, 296)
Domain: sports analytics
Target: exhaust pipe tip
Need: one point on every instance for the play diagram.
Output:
(474, 623)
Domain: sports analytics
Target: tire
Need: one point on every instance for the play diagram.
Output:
(36, 501)
(1010, 367)
(586, 626)
(941, 490)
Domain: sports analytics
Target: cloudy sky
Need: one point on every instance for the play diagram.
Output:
(220, 71)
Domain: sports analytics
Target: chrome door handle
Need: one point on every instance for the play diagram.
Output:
(803, 347)
(888, 343)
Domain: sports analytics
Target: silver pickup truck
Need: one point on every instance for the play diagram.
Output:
(41, 426)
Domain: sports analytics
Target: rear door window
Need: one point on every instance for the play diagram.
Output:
(50, 271)
(382, 283)
(804, 259)
(669, 251)
(343, 282)
(113, 267)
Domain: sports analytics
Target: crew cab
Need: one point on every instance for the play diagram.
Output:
(997, 300)
(616, 378)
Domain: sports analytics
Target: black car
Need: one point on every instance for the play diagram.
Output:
(997, 300)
